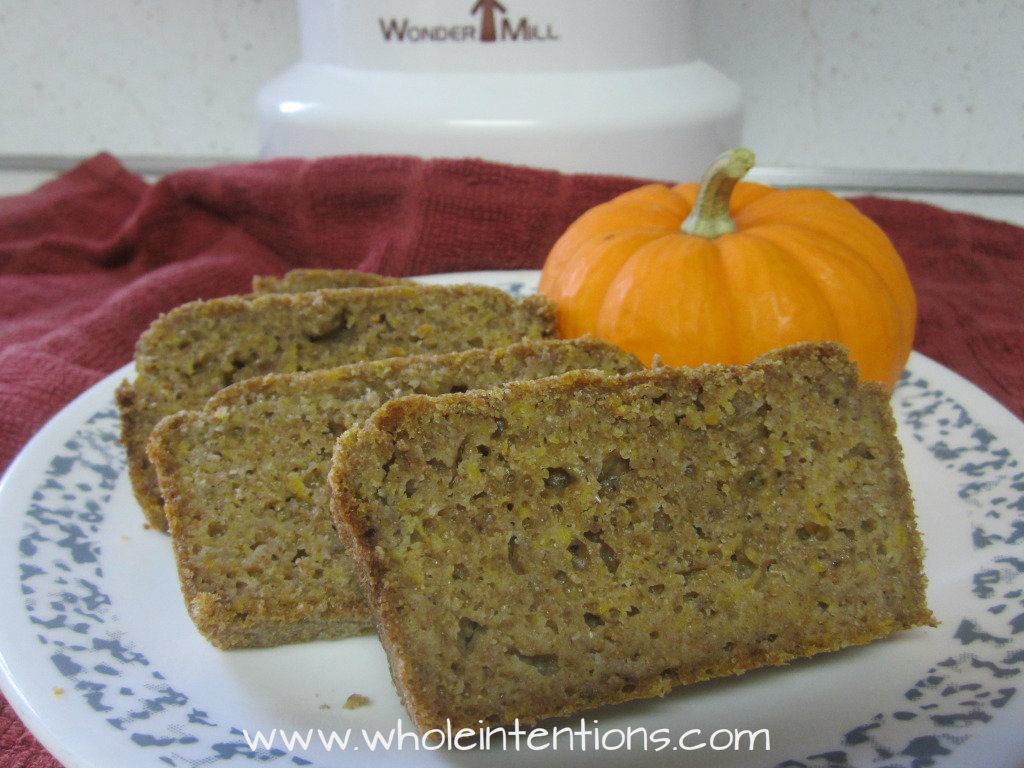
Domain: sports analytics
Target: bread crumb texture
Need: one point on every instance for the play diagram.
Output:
(199, 348)
(586, 539)
(245, 484)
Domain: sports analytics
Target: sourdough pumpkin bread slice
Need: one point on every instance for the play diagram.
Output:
(585, 539)
(198, 348)
(303, 280)
(244, 481)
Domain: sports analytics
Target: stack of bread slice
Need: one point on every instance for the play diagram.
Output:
(199, 348)
(533, 526)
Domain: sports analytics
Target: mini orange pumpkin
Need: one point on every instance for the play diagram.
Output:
(727, 270)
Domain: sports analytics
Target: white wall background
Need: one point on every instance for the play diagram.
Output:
(141, 77)
(900, 84)
(923, 84)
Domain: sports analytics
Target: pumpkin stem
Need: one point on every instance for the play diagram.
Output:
(710, 215)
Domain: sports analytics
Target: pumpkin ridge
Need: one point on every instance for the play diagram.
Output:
(589, 282)
(814, 317)
(840, 248)
(693, 325)
(873, 248)
(645, 208)
(837, 269)
(835, 218)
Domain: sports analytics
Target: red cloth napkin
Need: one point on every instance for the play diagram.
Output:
(90, 259)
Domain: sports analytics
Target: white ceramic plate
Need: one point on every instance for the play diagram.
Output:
(101, 661)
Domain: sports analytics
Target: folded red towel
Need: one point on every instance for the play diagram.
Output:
(88, 260)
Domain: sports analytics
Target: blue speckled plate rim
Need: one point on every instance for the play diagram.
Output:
(969, 699)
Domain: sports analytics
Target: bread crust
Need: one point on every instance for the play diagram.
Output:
(302, 280)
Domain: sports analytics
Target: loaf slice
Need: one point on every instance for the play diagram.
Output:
(191, 352)
(304, 280)
(581, 540)
(245, 485)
